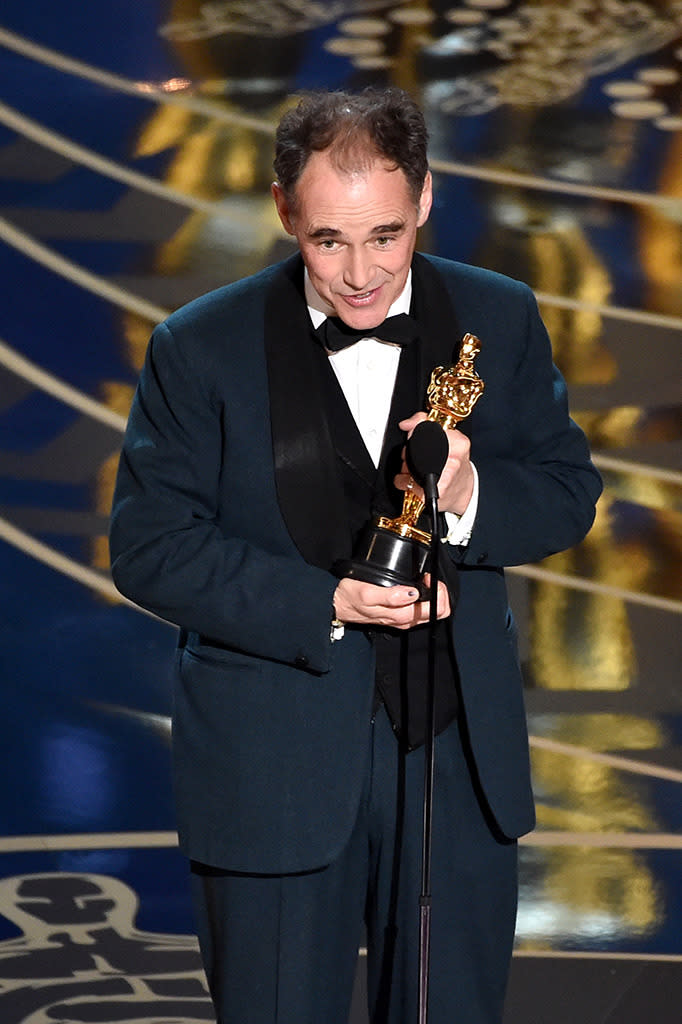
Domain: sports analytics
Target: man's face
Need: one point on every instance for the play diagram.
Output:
(356, 233)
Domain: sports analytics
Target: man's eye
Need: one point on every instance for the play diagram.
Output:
(328, 243)
(384, 240)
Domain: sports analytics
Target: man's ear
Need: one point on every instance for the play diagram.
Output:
(425, 200)
(282, 207)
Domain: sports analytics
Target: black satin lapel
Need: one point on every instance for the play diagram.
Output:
(407, 400)
(441, 338)
(439, 328)
(309, 489)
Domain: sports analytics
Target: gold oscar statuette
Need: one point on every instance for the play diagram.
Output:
(395, 551)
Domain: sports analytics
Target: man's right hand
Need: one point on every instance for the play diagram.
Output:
(398, 607)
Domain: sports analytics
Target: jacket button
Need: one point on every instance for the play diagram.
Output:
(482, 558)
(301, 661)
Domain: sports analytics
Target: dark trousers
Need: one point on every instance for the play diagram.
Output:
(283, 949)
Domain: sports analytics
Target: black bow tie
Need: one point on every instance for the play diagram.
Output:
(336, 335)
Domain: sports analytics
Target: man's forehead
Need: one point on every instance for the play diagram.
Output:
(379, 198)
(321, 166)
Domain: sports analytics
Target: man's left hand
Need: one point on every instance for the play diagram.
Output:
(456, 482)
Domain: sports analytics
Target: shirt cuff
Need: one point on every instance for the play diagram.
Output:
(460, 527)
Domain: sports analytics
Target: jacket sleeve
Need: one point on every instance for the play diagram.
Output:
(538, 487)
(195, 536)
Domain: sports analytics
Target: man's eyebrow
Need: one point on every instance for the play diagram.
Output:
(389, 229)
(380, 229)
(324, 233)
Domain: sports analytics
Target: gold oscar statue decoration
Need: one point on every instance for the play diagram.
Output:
(395, 551)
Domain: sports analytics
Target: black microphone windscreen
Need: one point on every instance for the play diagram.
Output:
(427, 450)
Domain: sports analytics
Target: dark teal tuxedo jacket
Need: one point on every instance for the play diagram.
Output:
(229, 508)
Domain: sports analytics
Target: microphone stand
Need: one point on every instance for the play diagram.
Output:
(431, 494)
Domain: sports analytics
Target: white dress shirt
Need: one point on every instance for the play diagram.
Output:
(366, 371)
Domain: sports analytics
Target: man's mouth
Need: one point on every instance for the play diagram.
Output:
(361, 298)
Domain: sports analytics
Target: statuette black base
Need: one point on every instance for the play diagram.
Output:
(387, 559)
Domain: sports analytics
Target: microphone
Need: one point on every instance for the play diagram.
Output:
(427, 453)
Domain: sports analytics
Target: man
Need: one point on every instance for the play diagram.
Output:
(255, 453)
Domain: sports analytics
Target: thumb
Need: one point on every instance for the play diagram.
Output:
(409, 424)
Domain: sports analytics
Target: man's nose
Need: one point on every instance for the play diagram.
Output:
(358, 270)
